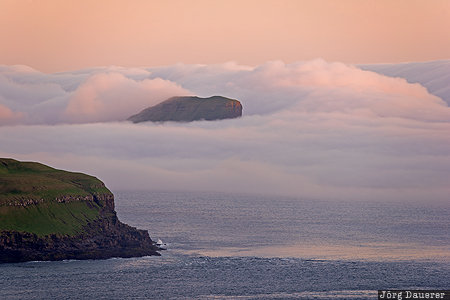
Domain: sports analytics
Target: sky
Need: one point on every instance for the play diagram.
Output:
(55, 35)
(319, 121)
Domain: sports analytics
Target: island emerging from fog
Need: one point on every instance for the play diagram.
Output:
(50, 214)
(190, 108)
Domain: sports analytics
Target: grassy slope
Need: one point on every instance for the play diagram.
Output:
(24, 181)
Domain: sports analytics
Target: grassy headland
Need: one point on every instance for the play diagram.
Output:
(39, 199)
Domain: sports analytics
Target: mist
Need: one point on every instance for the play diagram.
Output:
(310, 129)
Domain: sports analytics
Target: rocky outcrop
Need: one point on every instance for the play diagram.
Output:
(23, 201)
(102, 238)
(50, 214)
(187, 109)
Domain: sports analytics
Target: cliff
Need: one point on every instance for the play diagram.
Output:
(50, 214)
(187, 109)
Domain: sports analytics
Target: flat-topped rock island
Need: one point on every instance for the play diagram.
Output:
(190, 108)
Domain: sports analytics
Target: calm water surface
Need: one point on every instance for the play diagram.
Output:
(228, 246)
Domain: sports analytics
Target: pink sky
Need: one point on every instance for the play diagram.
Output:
(55, 35)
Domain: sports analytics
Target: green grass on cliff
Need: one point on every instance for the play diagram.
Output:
(22, 182)
(48, 218)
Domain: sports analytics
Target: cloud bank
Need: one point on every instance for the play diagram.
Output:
(115, 93)
(85, 96)
(310, 129)
(112, 96)
(434, 75)
(7, 116)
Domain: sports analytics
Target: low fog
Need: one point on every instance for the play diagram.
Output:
(309, 129)
(434, 75)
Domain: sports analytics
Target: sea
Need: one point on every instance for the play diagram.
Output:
(242, 246)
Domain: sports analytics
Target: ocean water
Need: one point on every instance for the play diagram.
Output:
(230, 246)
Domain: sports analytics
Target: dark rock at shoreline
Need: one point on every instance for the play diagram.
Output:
(41, 220)
(103, 238)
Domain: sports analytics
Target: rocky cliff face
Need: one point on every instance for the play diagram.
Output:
(101, 238)
(187, 109)
(53, 224)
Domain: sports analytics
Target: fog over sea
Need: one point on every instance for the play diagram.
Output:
(243, 246)
(314, 129)
(334, 183)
